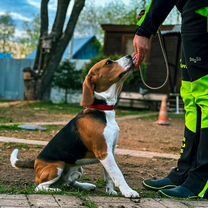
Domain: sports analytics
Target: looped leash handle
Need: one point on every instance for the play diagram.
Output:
(166, 65)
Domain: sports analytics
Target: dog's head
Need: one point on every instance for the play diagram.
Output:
(105, 80)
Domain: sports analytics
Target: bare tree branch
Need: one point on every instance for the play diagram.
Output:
(43, 30)
(60, 17)
(77, 8)
(44, 17)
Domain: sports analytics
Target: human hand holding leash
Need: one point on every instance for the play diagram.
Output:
(141, 47)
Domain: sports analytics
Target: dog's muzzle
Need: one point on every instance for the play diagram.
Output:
(126, 62)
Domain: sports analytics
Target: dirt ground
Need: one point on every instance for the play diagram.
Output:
(136, 134)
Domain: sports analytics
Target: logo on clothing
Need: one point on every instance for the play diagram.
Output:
(195, 60)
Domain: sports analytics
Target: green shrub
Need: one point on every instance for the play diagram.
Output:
(67, 77)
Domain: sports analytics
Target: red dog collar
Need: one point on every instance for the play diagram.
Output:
(102, 107)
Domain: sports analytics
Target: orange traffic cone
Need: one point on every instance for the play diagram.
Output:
(163, 114)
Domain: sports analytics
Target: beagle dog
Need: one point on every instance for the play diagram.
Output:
(88, 138)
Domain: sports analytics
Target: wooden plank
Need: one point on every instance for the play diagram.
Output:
(114, 202)
(131, 95)
(150, 203)
(154, 97)
(133, 104)
(171, 203)
(196, 203)
(138, 96)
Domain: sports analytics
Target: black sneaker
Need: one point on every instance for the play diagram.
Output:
(178, 192)
(157, 184)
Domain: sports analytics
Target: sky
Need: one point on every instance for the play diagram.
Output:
(17, 7)
(26, 10)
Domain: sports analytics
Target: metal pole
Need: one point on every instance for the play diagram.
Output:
(177, 104)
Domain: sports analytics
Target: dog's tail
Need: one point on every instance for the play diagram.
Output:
(17, 163)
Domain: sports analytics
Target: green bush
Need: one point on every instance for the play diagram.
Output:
(67, 77)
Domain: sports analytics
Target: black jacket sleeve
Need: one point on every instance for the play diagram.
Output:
(154, 15)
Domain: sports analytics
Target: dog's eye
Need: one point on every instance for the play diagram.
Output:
(108, 62)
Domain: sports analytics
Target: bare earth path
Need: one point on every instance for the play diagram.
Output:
(133, 153)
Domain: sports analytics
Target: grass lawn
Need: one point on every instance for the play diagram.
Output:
(76, 108)
(13, 189)
(47, 111)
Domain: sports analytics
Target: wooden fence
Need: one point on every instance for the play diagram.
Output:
(11, 78)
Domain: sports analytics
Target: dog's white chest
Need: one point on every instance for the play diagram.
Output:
(111, 131)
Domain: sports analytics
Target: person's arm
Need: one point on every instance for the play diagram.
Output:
(154, 15)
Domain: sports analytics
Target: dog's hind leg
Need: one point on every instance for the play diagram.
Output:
(73, 175)
(110, 188)
(47, 178)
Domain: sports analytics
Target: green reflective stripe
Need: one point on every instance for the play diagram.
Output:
(203, 11)
(202, 193)
(183, 66)
(140, 22)
(200, 92)
(204, 117)
(189, 106)
(195, 94)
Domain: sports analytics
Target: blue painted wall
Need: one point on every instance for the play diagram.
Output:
(11, 78)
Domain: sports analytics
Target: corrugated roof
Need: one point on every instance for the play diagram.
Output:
(5, 56)
(77, 45)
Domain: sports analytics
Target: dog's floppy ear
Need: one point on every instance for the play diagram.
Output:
(87, 91)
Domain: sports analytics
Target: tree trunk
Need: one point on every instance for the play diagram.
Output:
(66, 95)
(43, 31)
(49, 58)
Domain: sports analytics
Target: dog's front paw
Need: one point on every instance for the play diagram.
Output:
(88, 186)
(84, 186)
(46, 189)
(130, 193)
(111, 192)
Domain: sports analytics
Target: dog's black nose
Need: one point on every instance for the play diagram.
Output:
(129, 57)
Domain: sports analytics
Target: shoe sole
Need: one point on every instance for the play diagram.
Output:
(157, 188)
(174, 197)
